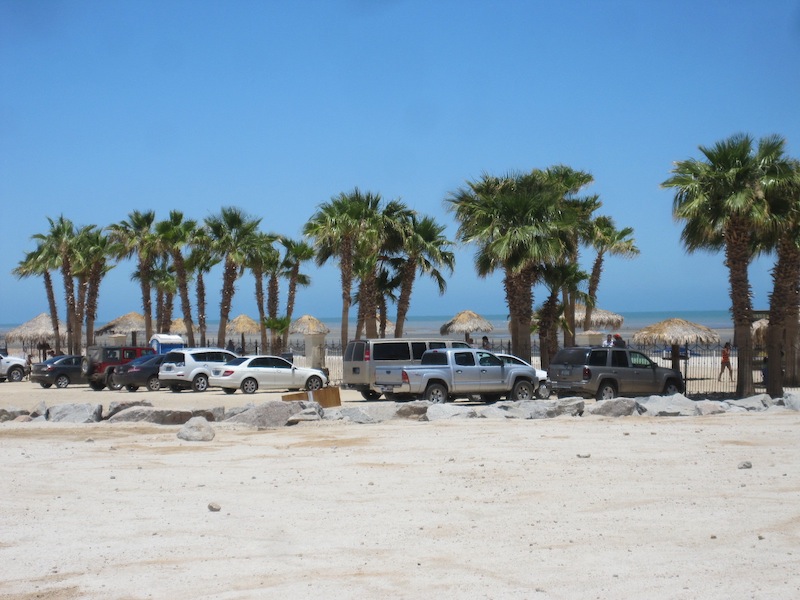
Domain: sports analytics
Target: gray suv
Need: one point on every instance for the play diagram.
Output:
(190, 368)
(605, 373)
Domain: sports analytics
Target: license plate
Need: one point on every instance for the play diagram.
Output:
(387, 388)
(565, 372)
(167, 368)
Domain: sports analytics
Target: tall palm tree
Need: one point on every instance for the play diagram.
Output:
(95, 251)
(556, 278)
(174, 235)
(134, 236)
(606, 240)
(296, 252)
(230, 233)
(721, 199)
(425, 250)
(41, 262)
(514, 221)
(262, 258)
(200, 262)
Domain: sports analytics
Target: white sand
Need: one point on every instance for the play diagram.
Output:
(467, 509)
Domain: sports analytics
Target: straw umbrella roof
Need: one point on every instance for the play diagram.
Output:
(675, 331)
(308, 325)
(127, 323)
(38, 329)
(466, 322)
(759, 329)
(602, 319)
(177, 326)
(242, 324)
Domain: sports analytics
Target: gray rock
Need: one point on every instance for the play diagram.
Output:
(502, 410)
(305, 415)
(438, 412)
(380, 411)
(209, 415)
(415, 409)
(616, 407)
(756, 403)
(709, 407)
(11, 414)
(791, 401)
(332, 414)
(115, 406)
(677, 405)
(148, 414)
(236, 410)
(24, 419)
(75, 413)
(539, 409)
(273, 413)
(354, 415)
(40, 410)
(196, 429)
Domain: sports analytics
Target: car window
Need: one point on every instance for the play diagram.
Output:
(279, 363)
(434, 358)
(174, 357)
(391, 351)
(113, 355)
(418, 349)
(619, 358)
(435, 345)
(640, 360)
(261, 362)
(464, 359)
(127, 354)
(488, 360)
(572, 356)
(73, 361)
(597, 358)
(354, 351)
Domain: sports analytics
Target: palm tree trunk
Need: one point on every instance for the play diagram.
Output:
(346, 269)
(291, 294)
(594, 283)
(519, 295)
(404, 299)
(782, 304)
(147, 304)
(92, 295)
(201, 307)
(737, 257)
(228, 290)
(548, 315)
(51, 302)
(183, 291)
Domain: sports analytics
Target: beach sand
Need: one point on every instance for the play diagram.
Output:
(562, 508)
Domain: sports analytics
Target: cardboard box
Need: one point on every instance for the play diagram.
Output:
(295, 397)
(327, 397)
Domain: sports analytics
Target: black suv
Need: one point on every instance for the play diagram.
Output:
(98, 364)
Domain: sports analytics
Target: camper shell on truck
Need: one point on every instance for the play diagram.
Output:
(362, 358)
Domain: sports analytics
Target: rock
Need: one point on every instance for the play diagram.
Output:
(502, 411)
(745, 465)
(273, 413)
(756, 403)
(791, 401)
(209, 415)
(677, 405)
(380, 411)
(75, 413)
(147, 414)
(354, 415)
(196, 429)
(415, 409)
(115, 406)
(236, 410)
(12, 414)
(617, 407)
(40, 410)
(23, 419)
(438, 412)
(709, 407)
(539, 409)
(305, 415)
(214, 507)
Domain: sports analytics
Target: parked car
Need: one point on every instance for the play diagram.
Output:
(12, 367)
(363, 357)
(449, 373)
(606, 373)
(99, 363)
(190, 368)
(140, 372)
(59, 371)
(543, 390)
(251, 373)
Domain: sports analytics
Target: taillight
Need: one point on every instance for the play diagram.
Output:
(405, 377)
(366, 354)
(227, 373)
(587, 373)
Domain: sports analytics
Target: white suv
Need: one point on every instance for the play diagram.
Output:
(12, 368)
(190, 368)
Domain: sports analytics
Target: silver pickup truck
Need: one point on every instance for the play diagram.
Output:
(448, 373)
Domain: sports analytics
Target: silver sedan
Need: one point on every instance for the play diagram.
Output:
(263, 372)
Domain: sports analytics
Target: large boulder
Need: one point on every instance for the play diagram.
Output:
(115, 406)
(755, 403)
(196, 429)
(75, 413)
(616, 407)
(10, 414)
(676, 405)
(709, 407)
(438, 412)
(148, 414)
(791, 401)
(415, 409)
(273, 413)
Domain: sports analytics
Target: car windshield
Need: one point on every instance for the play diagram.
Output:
(570, 356)
(142, 359)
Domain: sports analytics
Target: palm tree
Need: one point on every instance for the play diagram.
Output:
(557, 277)
(262, 258)
(606, 240)
(200, 261)
(41, 262)
(721, 199)
(135, 236)
(514, 221)
(425, 250)
(296, 252)
(175, 234)
(95, 251)
(230, 233)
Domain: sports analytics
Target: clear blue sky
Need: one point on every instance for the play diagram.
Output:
(275, 107)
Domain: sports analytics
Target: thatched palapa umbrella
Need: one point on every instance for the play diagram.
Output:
(242, 325)
(38, 330)
(601, 319)
(308, 325)
(676, 332)
(129, 323)
(466, 322)
(759, 329)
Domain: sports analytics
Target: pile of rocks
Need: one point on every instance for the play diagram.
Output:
(277, 413)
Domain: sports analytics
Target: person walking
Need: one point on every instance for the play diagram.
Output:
(609, 341)
(726, 361)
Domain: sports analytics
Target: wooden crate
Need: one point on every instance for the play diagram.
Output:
(327, 397)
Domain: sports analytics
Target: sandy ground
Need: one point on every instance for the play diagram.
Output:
(566, 508)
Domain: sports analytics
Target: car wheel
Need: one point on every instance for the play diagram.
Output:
(672, 388)
(62, 381)
(112, 385)
(436, 393)
(229, 390)
(153, 384)
(370, 395)
(314, 382)
(15, 374)
(200, 383)
(96, 385)
(131, 388)
(523, 390)
(175, 388)
(46, 385)
(85, 366)
(543, 392)
(249, 386)
(606, 391)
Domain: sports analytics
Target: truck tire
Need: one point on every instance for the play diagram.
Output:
(370, 395)
(15, 374)
(672, 387)
(606, 391)
(543, 392)
(436, 393)
(523, 390)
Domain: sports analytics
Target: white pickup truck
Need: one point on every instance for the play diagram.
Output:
(448, 373)
(12, 368)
